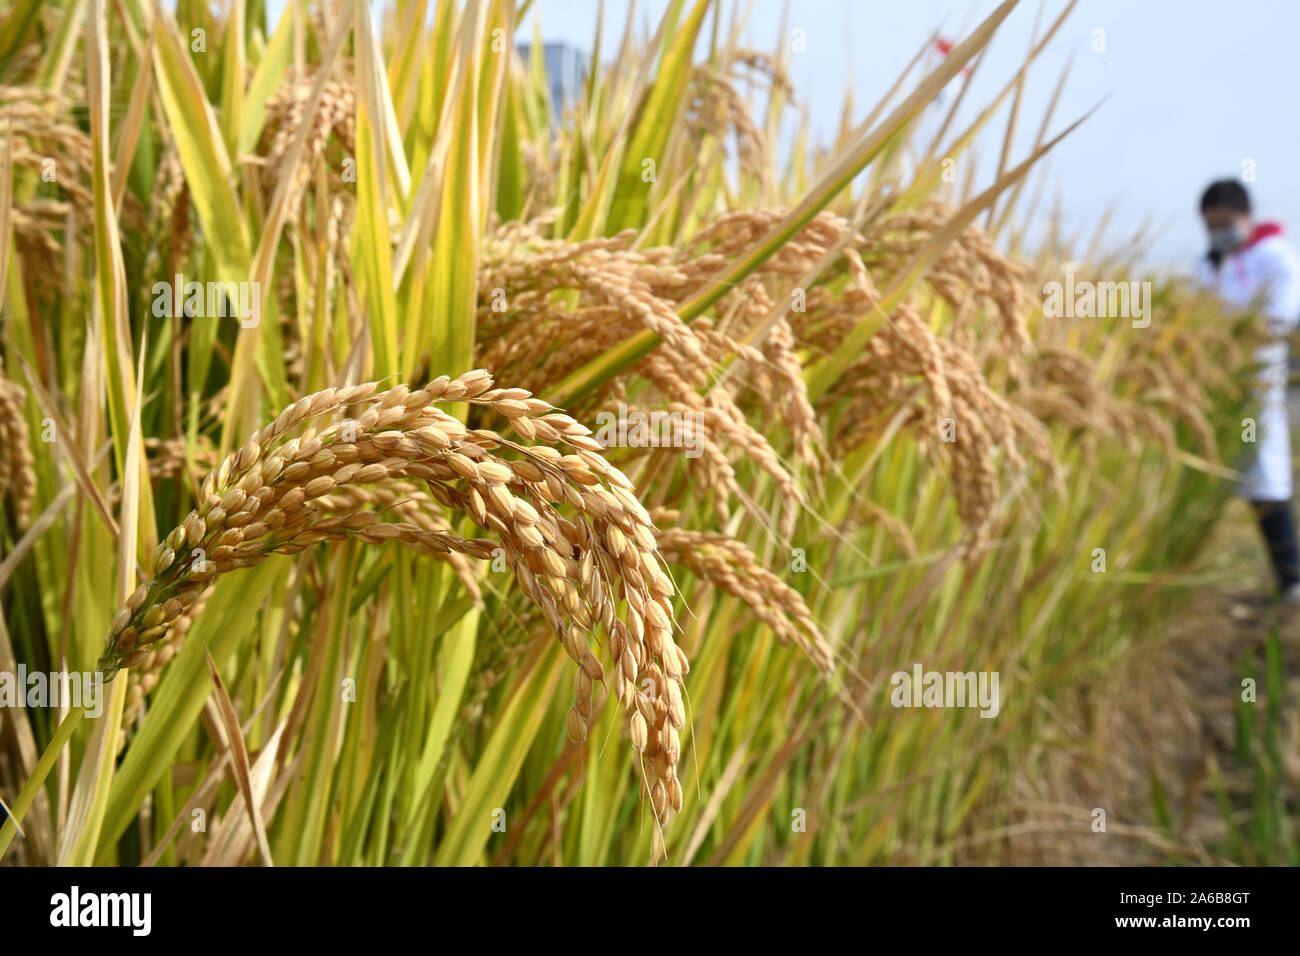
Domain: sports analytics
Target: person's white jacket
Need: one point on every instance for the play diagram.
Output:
(1265, 269)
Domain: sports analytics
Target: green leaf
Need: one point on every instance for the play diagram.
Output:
(498, 766)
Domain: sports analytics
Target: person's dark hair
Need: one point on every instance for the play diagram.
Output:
(1226, 194)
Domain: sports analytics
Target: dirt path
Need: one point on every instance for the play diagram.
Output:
(1185, 770)
(1239, 770)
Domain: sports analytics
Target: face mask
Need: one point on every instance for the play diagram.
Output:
(1221, 240)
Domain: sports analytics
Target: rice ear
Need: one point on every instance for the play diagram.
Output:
(283, 492)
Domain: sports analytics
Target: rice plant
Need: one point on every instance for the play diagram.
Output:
(358, 398)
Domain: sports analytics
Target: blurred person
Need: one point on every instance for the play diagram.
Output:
(1249, 263)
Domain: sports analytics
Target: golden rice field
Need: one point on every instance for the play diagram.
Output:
(442, 477)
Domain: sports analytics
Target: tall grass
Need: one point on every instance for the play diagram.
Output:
(901, 459)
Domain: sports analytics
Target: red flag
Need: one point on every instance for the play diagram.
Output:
(944, 46)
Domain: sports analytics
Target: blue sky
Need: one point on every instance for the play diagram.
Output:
(1195, 87)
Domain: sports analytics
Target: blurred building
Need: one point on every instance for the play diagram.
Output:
(566, 72)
